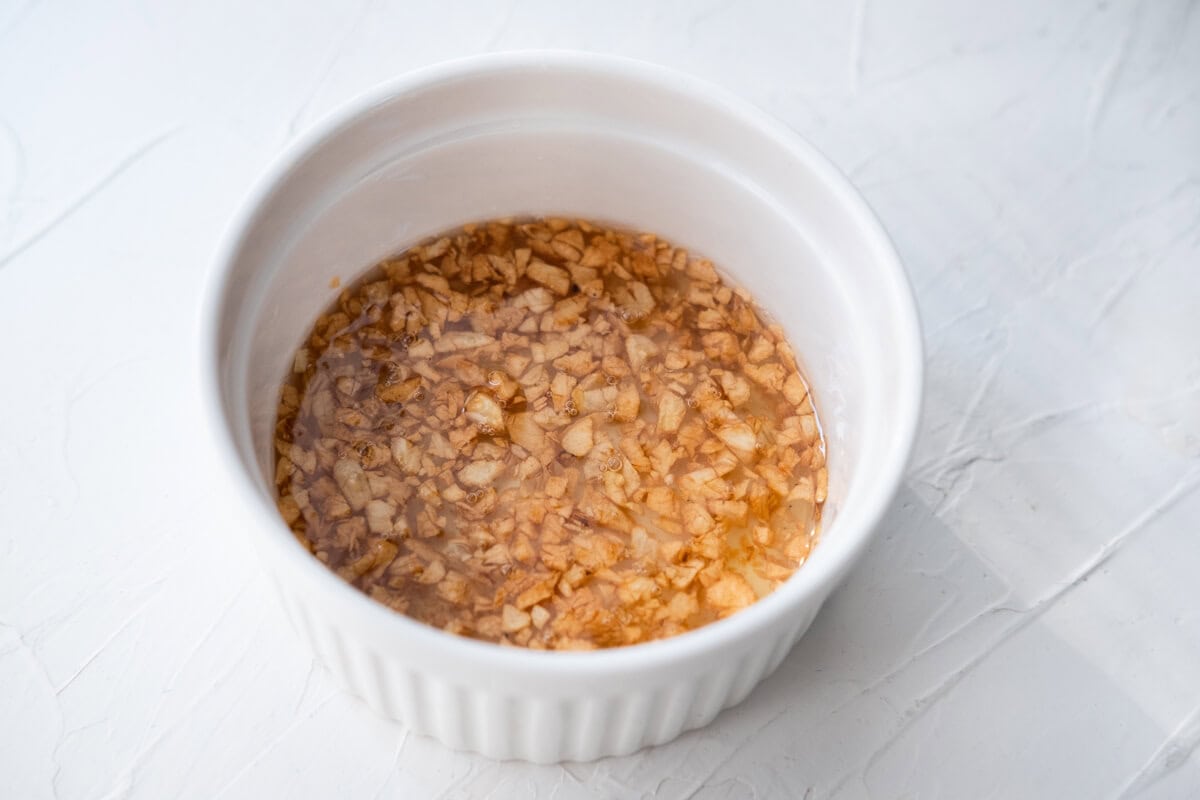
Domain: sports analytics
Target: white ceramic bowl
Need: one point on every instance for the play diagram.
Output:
(600, 138)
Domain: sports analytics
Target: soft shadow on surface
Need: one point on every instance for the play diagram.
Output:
(809, 723)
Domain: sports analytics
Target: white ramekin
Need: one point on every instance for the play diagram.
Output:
(600, 138)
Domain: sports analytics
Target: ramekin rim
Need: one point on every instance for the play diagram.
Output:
(270, 529)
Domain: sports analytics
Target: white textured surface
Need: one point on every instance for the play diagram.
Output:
(1026, 625)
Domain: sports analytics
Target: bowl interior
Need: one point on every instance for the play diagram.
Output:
(604, 143)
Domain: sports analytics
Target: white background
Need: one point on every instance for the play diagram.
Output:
(1026, 624)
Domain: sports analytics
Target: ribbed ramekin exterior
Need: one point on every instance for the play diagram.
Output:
(505, 723)
(543, 713)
